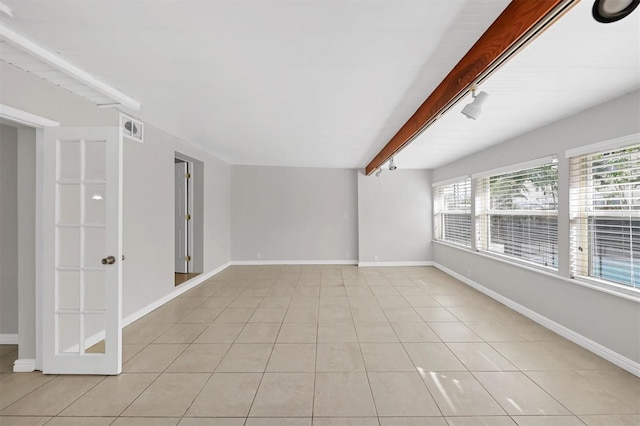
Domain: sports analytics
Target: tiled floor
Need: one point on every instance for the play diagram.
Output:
(333, 346)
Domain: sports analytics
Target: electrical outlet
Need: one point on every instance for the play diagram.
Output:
(259, 255)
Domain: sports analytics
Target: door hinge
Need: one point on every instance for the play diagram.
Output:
(187, 258)
(187, 217)
(187, 175)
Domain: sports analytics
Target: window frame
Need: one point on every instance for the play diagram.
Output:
(438, 214)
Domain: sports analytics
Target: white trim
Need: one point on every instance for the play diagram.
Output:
(25, 118)
(621, 361)
(514, 167)
(416, 263)
(611, 144)
(293, 262)
(58, 62)
(450, 181)
(9, 339)
(24, 365)
(182, 288)
(6, 10)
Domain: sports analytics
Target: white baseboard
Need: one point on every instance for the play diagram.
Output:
(417, 263)
(24, 365)
(293, 262)
(621, 361)
(175, 293)
(8, 339)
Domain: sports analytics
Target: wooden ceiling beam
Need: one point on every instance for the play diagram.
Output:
(521, 21)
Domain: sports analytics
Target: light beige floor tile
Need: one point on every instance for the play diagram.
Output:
(547, 421)
(621, 384)
(473, 313)
(330, 332)
(111, 396)
(145, 421)
(460, 394)
(332, 291)
(454, 332)
(530, 356)
(575, 356)
(612, 420)
(235, 315)
(343, 395)
(246, 302)
(414, 332)
(23, 421)
(577, 393)
(494, 331)
(169, 396)
(154, 358)
(128, 351)
(284, 395)
(334, 302)
(341, 356)
(143, 332)
(7, 360)
(298, 333)
(309, 301)
(80, 421)
(217, 302)
(435, 314)
(380, 332)
(245, 358)
(292, 358)
(292, 421)
(481, 421)
(480, 357)
(433, 357)
(275, 302)
(401, 394)
(256, 332)
(199, 358)
(211, 421)
(334, 314)
(531, 331)
(226, 395)
(402, 315)
(305, 314)
(52, 397)
(15, 386)
(385, 357)
(518, 395)
(181, 333)
(368, 314)
(345, 421)
(220, 333)
(268, 315)
(413, 421)
(201, 315)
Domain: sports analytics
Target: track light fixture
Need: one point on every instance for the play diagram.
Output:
(474, 109)
(607, 11)
(379, 172)
(392, 165)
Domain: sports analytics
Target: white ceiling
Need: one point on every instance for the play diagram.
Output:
(575, 64)
(326, 83)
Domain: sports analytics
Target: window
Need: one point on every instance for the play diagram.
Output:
(518, 213)
(605, 215)
(452, 212)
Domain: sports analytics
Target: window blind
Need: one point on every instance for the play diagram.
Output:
(517, 214)
(452, 212)
(605, 215)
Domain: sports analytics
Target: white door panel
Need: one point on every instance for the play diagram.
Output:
(82, 250)
(181, 251)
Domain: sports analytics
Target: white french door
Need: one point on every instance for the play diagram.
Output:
(181, 222)
(82, 250)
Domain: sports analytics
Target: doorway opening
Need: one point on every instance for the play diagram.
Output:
(188, 218)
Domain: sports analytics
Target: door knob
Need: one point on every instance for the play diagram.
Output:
(109, 260)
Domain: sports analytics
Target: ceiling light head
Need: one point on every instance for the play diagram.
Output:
(392, 164)
(474, 109)
(607, 11)
(379, 172)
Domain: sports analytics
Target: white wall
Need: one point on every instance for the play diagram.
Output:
(289, 213)
(8, 230)
(148, 244)
(609, 320)
(394, 212)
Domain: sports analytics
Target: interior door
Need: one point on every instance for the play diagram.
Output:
(82, 250)
(181, 211)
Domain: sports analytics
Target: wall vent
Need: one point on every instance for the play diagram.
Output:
(132, 128)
